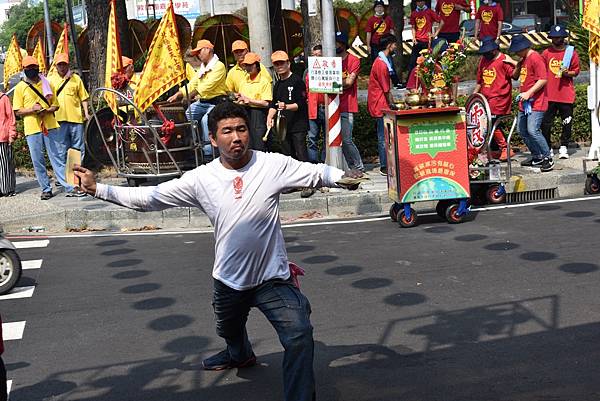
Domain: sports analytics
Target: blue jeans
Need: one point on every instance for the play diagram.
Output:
(73, 136)
(381, 143)
(350, 150)
(530, 129)
(288, 310)
(316, 129)
(57, 153)
(198, 111)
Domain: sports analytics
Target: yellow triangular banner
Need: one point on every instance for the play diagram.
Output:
(13, 62)
(38, 53)
(114, 63)
(62, 46)
(164, 67)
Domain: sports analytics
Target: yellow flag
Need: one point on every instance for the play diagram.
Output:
(62, 46)
(38, 53)
(591, 22)
(114, 63)
(164, 67)
(13, 62)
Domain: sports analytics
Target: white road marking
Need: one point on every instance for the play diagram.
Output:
(19, 292)
(31, 264)
(42, 243)
(13, 330)
(8, 387)
(325, 222)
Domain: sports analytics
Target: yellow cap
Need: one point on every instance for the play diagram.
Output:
(202, 43)
(279, 55)
(251, 58)
(239, 45)
(29, 61)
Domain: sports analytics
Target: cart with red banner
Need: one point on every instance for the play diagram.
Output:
(427, 161)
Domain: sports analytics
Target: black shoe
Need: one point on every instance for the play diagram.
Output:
(57, 184)
(531, 162)
(547, 164)
(222, 361)
(75, 194)
(307, 192)
(383, 171)
(46, 195)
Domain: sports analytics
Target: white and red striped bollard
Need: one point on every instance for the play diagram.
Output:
(334, 134)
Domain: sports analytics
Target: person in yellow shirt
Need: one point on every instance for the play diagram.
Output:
(255, 93)
(71, 95)
(34, 99)
(133, 78)
(237, 74)
(208, 85)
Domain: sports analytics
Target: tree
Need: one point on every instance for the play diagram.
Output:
(98, 12)
(312, 32)
(357, 7)
(22, 16)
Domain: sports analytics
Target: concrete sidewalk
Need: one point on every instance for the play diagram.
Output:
(27, 213)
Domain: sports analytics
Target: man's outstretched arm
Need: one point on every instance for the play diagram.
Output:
(175, 193)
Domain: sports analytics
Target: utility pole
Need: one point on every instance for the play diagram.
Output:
(335, 156)
(50, 45)
(259, 27)
(69, 11)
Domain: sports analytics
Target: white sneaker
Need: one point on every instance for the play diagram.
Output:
(562, 153)
(551, 153)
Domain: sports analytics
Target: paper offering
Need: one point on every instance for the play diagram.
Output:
(73, 158)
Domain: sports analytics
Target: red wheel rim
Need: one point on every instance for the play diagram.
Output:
(407, 221)
(595, 186)
(454, 214)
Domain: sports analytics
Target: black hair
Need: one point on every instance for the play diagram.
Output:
(225, 110)
(387, 40)
(317, 47)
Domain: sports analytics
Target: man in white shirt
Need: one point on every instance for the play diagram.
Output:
(239, 192)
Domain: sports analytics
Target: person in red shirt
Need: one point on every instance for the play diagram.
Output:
(488, 20)
(316, 118)
(533, 102)
(449, 12)
(560, 88)
(379, 94)
(348, 100)
(422, 19)
(494, 81)
(378, 25)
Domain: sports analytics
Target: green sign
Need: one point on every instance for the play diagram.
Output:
(432, 139)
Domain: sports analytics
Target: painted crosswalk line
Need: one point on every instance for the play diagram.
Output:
(8, 387)
(13, 330)
(42, 243)
(31, 264)
(19, 292)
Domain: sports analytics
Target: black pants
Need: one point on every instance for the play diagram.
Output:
(565, 110)
(294, 145)
(451, 37)
(415, 54)
(258, 128)
(3, 388)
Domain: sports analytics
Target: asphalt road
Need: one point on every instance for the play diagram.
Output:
(504, 307)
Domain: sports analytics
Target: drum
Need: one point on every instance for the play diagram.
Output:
(95, 146)
(144, 152)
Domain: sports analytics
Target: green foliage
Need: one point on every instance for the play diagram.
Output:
(358, 7)
(22, 16)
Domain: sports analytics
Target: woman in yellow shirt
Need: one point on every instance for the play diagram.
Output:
(255, 92)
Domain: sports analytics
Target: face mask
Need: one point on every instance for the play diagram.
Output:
(339, 50)
(422, 8)
(486, 2)
(32, 73)
(489, 55)
(558, 41)
(379, 13)
(393, 53)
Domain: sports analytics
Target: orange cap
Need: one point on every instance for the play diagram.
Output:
(126, 61)
(29, 61)
(61, 58)
(279, 55)
(202, 43)
(251, 58)
(239, 45)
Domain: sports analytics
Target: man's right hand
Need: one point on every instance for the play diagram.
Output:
(173, 98)
(87, 181)
(37, 108)
(270, 122)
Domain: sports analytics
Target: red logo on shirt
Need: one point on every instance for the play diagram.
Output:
(238, 186)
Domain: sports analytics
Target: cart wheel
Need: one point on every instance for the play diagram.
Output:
(592, 185)
(394, 209)
(452, 215)
(494, 196)
(441, 207)
(404, 221)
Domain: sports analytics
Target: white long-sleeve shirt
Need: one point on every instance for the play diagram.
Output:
(243, 207)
